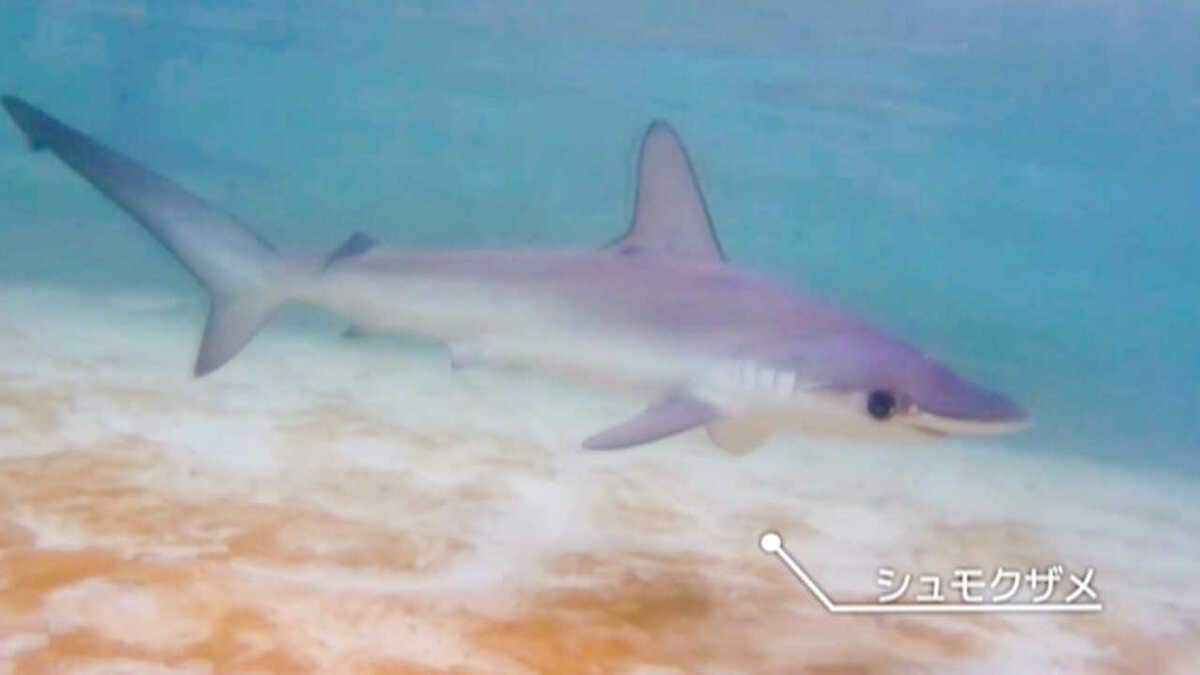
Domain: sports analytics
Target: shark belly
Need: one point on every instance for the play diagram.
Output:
(495, 322)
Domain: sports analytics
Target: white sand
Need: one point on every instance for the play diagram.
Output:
(336, 505)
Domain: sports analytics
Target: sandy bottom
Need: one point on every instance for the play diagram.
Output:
(354, 506)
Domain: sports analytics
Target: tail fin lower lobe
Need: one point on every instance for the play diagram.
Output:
(242, 273)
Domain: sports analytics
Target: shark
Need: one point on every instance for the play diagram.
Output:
(659, 312)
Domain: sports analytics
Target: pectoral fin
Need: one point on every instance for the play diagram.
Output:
(665, 418)
(738, 435)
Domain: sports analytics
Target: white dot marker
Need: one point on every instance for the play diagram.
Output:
(770, 542)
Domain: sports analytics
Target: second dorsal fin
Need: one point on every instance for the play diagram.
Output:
(356, 245)
(669, 215)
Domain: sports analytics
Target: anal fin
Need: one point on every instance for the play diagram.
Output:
(668, 417)
(469, 354)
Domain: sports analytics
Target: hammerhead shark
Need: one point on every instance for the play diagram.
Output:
(659, 311)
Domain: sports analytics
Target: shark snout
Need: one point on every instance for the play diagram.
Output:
(972, 410)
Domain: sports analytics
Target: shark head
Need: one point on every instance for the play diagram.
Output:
(867, 383)
(786, 360)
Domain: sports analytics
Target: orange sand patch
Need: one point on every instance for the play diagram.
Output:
(694, 613)
(1125, 649)
(119, 495)
(32, 411)
(604, 613)
(125, 555)
(217, 600)
(242, 641)
(13, 535)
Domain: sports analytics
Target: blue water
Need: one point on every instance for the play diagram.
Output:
(1012, 185)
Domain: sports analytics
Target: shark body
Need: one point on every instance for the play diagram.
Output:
(659, 311)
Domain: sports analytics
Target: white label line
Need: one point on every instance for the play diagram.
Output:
(772, 544)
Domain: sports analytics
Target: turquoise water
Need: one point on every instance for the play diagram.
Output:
(1012, 185)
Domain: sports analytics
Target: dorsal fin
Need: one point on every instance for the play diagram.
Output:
(669, 215)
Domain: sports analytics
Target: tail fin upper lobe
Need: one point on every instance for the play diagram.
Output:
(243, 274)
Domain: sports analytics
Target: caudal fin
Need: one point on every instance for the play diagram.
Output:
(243, 274)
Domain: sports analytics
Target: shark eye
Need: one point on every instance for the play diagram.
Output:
(881, 404)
